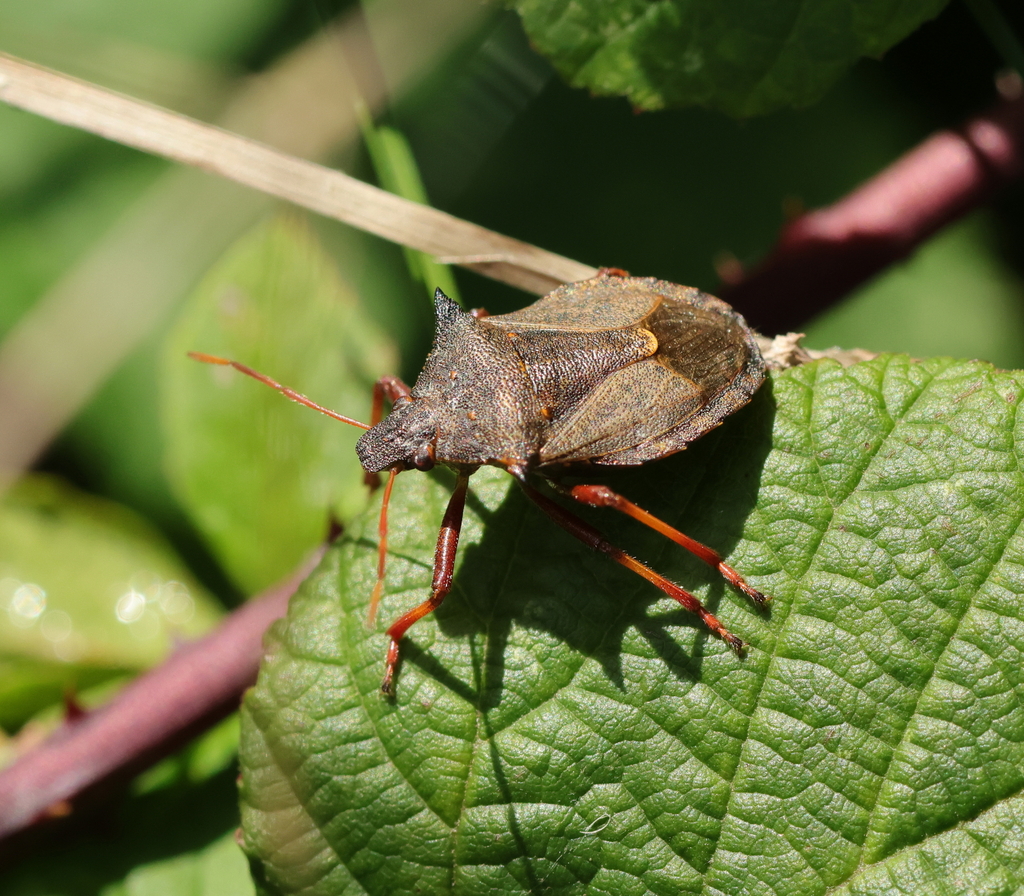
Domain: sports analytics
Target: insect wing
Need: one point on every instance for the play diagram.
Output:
(629, 407)
(705, 366)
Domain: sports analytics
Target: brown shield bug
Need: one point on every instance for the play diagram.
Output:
(613, 371)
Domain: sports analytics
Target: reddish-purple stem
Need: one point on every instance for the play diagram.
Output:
(824, 254)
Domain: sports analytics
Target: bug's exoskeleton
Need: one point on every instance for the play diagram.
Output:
(613, 371)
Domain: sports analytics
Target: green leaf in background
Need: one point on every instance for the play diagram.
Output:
(192, 28)
(397, 171)
(219, 869)
(61, 190)
(163, 847)
(87, 591)
(559, 728)
(172, 836)
(743, 58)
(258, 474)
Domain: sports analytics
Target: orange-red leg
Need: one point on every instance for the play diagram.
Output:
(444, 566)
(602, 496)
(391, 388)
(382, 547)
(592, 537)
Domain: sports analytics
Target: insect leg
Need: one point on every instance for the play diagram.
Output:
(391, 388)
(382, 547)
(592, 537)
(602, 496)
(444, 566)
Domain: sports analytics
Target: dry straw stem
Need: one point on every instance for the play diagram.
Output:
(323, 190)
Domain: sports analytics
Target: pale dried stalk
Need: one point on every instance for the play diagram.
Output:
(323, 190)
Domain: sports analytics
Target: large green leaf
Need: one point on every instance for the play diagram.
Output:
(560, 729)
(745, 57)
(88, 591)
(258, 474)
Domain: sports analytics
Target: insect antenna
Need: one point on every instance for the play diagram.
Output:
(284, 390)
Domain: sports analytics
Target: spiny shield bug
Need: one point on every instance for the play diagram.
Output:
(613, 371)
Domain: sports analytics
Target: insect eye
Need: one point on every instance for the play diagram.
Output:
(401, 402)
(423, 457)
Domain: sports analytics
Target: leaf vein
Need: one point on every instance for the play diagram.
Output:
(794, 608)
(952, 638)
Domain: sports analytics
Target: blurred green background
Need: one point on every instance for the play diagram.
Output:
(499, 140)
